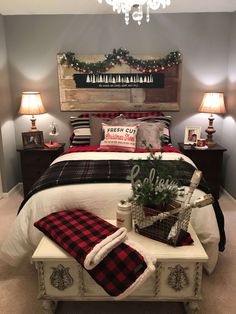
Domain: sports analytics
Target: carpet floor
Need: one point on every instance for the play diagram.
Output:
(18, 286)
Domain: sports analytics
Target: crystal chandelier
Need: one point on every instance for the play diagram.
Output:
(135, 8)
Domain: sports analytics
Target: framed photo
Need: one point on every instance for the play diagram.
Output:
(33, 139)
(192, 134)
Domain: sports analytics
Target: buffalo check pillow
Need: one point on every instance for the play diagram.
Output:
(119, 138)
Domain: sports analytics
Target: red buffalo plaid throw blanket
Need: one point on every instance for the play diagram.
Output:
(100, 248)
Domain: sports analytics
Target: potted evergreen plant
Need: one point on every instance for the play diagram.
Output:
(154, 186)
(155, 191)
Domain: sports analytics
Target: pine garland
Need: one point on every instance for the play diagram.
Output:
(117, 57)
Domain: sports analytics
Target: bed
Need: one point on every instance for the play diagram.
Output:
(100, 198)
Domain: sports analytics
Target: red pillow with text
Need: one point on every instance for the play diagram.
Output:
(119, 138)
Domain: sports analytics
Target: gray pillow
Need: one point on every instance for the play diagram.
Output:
(150, 133)
(96, 129)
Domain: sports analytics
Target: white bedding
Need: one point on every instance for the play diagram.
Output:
(101, 199)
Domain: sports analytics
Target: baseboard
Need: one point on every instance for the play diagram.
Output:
(229, 195)
(18, 188)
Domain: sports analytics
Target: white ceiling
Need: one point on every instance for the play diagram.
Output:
(18, 7)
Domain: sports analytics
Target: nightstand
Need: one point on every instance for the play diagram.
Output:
(34, 162)
(209, 161)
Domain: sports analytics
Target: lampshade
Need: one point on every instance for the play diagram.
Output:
(212, 103)
(31, 104)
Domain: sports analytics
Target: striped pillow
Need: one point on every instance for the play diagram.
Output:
(81, 130)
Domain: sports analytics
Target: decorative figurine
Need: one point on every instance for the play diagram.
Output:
(53, 132)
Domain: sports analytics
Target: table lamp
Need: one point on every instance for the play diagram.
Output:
(212, 103)
(31, 104)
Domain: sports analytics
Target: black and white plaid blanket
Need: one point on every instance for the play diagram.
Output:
(102, 171)
(105, 171)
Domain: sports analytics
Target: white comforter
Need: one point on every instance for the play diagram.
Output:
(101, 199)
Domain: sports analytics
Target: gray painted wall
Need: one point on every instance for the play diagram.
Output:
(8, 157)
(229, 125)
(34, 41)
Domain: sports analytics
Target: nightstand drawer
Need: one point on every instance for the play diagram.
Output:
(34, 162)
(33, 174)
(209, 161)
(39, 158)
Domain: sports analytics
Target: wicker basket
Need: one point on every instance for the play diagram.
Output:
(166, 226)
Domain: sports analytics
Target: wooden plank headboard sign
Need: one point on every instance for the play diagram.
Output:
(119, 82)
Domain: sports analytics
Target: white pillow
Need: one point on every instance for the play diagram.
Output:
(119, 138)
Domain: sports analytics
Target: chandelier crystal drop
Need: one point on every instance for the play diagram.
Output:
(135, 8)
